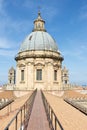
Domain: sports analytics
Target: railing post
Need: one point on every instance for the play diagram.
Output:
(49, 110)
(16, 123)
(24, 114)
(55, 123)
(10, 107)
(21, 117)
(51, 115)
(7, 128)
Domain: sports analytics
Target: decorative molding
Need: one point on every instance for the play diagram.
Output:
(30, 63)
(22, 82)
(39, 64)
(21, 65)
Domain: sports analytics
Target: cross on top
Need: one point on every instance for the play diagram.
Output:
(39, 8)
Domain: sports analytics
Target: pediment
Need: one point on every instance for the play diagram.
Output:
(39, 64)
(21, 65)
(49, 63)
(30, 63)
(56, 65)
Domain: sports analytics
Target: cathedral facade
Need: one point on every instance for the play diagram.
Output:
(39, 62)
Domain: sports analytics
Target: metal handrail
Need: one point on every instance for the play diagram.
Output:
(24, 113)
(54, 123)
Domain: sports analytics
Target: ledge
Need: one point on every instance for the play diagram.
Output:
(39, 54)
(22, 82)
(39, 81)
(55, 82)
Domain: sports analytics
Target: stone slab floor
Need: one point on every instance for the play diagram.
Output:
(69, 117)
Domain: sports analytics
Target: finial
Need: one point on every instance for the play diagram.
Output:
(39, 10)
(39, 7)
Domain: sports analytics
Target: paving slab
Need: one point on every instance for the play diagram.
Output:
(69, 117)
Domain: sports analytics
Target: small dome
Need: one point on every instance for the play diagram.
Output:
(38, 40)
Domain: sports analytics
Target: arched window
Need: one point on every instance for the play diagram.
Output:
(38, 25)
(55, 75)
(65, 75)
(10, 81)
(22, 75)
(65, 81)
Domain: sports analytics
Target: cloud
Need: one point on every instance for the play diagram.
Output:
(7, 25)
(50, 12)
(6, 44)
(29, 4)
(8, 53)
(9, 30)
(83, 16)
(76, 49)
(21, 26)
(83, 13)
(84, 47)
(2, 11)
(76, 53)
(8, 48)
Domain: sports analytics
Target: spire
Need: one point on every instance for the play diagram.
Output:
(39, 23)
(39, 15)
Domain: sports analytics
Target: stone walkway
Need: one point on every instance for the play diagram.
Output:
(69, 117)
(38, 119)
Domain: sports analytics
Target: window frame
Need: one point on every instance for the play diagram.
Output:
(55, 75)
(38, 74)
(22, 75)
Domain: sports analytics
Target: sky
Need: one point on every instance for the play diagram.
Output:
(66, 22)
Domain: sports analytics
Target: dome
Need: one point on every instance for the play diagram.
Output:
(38, 40)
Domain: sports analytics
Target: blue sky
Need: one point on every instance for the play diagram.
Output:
(66, 21)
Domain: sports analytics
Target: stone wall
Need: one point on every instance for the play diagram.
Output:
(48, 63)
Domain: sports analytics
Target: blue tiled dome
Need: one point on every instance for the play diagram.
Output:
(38, 40)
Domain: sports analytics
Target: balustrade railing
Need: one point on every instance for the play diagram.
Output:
(6, 104)
(54, 123)
(20, 120)
(78, 106)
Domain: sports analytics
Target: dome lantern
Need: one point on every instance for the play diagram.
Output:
(39, 24)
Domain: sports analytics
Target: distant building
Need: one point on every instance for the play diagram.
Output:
(65, 76)
(39, 61)
(11, 76)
